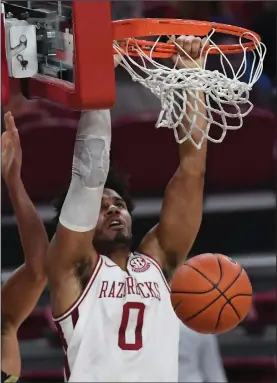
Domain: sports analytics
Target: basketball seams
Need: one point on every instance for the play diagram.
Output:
(204, 276)
(223, 293)
(228, 302)
(196, 292)
(193, 292)
(215, 286)
(203, 309)
(177, 305)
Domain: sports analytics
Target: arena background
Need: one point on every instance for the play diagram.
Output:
(240, 201)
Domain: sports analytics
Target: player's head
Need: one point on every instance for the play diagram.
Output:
(114, 227)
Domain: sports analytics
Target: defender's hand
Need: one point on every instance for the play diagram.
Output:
(192, 46)
(11, 151)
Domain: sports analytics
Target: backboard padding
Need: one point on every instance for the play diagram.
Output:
(94, 67)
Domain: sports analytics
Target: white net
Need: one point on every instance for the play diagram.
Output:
(226, 89)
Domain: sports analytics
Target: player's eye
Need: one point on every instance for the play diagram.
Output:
(120, 205)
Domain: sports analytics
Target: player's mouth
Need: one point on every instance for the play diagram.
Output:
(116, 224)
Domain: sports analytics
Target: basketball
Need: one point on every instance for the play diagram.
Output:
(211, 293)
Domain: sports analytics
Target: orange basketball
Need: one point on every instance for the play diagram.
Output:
(211, 293)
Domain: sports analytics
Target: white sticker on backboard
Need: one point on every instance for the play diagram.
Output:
(22, 51)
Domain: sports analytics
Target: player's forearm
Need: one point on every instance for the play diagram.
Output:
(193, 160)
(181, 216)
(32, 233)
(183, 199)
(20, 294)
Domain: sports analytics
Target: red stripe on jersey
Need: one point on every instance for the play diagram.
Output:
(64, 344)
(75, 316)
(78, 301)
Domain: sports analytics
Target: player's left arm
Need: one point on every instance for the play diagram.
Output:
(22, 290)
(171, 240)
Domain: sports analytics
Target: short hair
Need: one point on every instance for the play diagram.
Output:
(115, 181)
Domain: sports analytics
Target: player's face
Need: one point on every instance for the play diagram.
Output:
(114, 224)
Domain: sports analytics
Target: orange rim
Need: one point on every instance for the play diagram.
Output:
(132, 28)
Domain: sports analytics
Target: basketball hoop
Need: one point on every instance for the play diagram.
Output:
(222, 88)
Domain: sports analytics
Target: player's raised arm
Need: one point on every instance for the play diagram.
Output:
(22, 290)
(71, 255)
(181, 215)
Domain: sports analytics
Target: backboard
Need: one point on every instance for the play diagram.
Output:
(74, 51)
(5, 91)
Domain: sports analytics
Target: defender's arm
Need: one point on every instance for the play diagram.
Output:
(170, 241)
(22, 290)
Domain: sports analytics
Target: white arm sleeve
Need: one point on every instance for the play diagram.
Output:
(90, 168)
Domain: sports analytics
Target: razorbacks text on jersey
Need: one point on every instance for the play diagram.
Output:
(123, 327)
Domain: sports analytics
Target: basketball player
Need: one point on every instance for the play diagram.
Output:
(112, 307)
(22, 290)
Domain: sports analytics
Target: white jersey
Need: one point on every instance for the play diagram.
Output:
(123, 327)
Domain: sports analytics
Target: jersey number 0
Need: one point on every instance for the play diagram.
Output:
(127, 308)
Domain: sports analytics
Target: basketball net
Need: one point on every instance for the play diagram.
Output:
(225, 89)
